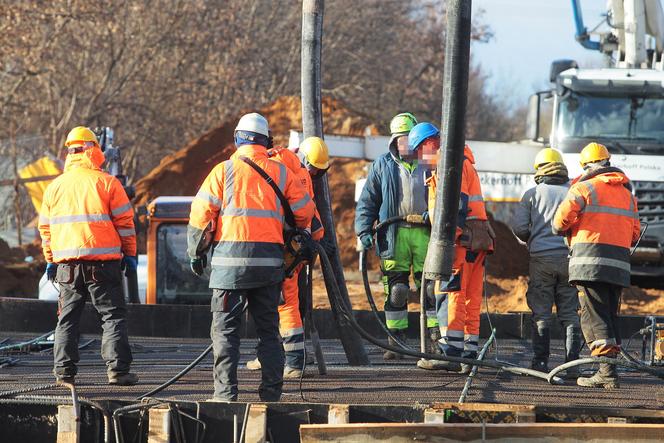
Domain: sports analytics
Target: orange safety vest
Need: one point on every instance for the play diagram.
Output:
(601, 220)
(86, 214)
(246, 216)
(292, 162)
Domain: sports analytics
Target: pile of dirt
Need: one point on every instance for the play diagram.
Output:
(182, 172)
(20, 269)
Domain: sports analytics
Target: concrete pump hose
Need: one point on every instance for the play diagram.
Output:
(372, 303)
(612, 361)
(344, 310)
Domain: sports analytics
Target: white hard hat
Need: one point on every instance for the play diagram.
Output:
(253, 122)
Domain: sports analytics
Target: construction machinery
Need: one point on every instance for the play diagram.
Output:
(620, 106)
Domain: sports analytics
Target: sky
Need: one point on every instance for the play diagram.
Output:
(528, 36)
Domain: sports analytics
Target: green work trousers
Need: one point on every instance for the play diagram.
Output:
(409, 254)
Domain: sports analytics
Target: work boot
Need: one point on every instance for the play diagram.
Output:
(434, 336)
(128, 379)
(64, 379)
(401, 335)
(572, 349)
(606, 377)
(541, 343)
(438, 365)
(292, 373)
(254, 365)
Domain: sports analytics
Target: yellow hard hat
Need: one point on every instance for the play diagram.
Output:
(315, 151)
(593, 152)
(548, 155)
(81, 134)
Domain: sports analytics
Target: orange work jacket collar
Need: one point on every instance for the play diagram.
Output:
(288, 158)
(91, 158)
(468, 154)
(251, 151)
(609, 175)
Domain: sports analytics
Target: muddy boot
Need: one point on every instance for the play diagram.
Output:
(541, 342)
(399, 334)
(254, 365)
(572, 349)
(606, 377)
(128, 379)
(438, 365)
(434, 337)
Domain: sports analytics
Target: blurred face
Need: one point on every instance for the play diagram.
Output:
(428, 152)
(314, 171)
(402, 146)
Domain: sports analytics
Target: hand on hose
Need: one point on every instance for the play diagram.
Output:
(328, 245)
(129, 263)
(51, 271)
(367, 241)
(198, 264)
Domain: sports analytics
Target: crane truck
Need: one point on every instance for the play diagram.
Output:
(620, 106)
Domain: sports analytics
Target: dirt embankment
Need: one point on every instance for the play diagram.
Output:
(182, 172)
(18, 277)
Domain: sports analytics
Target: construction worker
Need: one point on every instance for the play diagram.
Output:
(458, 300)
(291, 328)
(395, 187)
(87, 228)
(600, 220)
(240, 215)
(548, 284)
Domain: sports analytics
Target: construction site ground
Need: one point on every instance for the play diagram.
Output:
(382, 383)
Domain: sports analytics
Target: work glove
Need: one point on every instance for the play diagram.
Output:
(198, 264)
(367, 241)
(51, 271)
(328, 245)
(129, 263)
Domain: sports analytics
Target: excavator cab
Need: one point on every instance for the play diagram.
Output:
(169, 279)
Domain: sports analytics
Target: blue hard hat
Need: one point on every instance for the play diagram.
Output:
(419, 133)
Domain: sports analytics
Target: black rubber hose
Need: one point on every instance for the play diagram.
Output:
(178, 376)
(372, 303)
(325, 265)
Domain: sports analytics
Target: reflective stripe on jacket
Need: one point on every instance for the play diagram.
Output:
(292, 162)
(601, 220)
(246, 218)
(86, 214)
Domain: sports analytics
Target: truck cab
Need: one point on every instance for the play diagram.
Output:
(623, 109)
(170, 280)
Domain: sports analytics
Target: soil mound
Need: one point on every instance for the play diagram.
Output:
(182, 172)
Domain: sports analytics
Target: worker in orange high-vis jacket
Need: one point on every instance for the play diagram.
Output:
(238, 213)
(458, 300)
(600, 219)
(87, 228)
(290, 315)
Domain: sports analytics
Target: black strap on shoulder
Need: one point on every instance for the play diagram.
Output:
(288, 212)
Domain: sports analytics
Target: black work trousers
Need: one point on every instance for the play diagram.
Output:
(599, 317)
(101, 282)
(227, 306)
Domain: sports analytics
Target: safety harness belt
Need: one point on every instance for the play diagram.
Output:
(288, 212)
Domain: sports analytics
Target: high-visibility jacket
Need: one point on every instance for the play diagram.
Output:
(601, 221)
(85, 214)
(246, 218)
(471, 202)
(292, 162)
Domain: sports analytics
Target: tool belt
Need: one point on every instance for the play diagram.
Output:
(298, 244)
(478, 235)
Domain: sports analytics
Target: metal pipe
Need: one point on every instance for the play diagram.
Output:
(26, 343)
(473, 371)
(440, 254)
(423, 316)
(312, 125)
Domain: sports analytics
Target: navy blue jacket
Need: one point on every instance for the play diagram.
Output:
(378, 202)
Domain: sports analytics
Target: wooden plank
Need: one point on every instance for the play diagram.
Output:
(69, 425)
(472, 432)
(256, 430)
(338, 414)
(159, 428)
